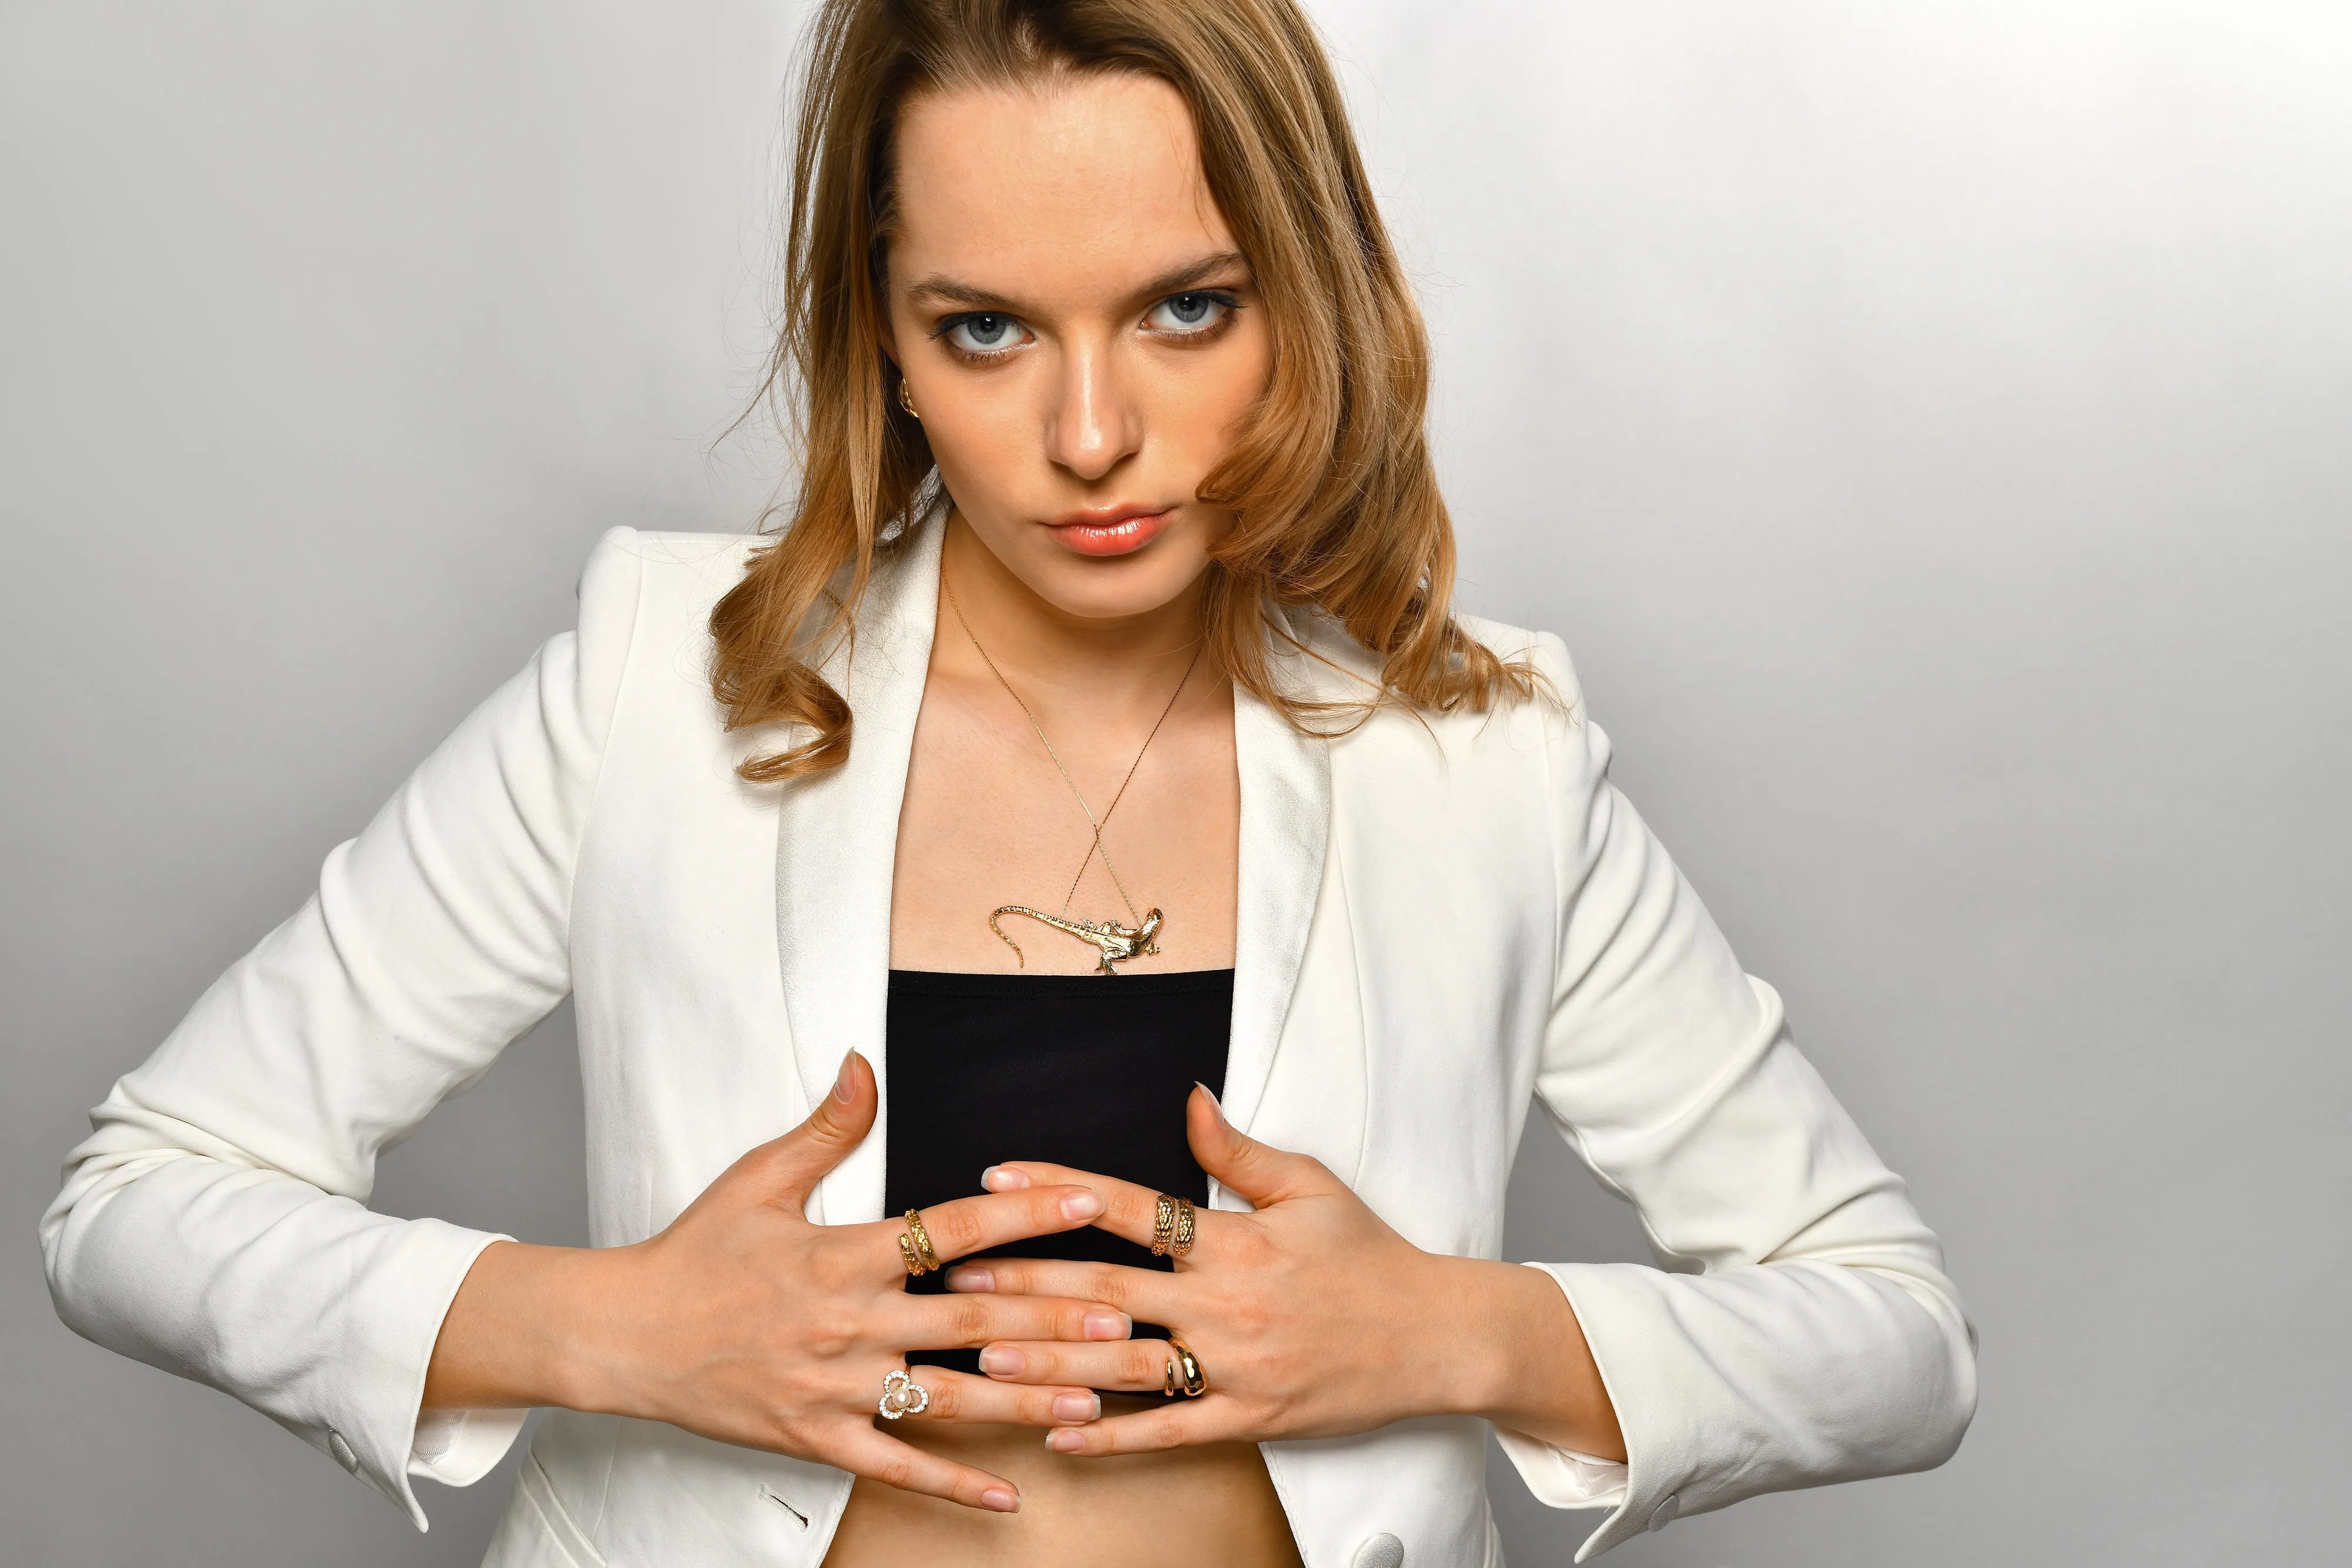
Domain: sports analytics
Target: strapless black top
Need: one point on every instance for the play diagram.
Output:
(1085, 1070)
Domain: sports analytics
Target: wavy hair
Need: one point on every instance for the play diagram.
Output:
(1337, 502)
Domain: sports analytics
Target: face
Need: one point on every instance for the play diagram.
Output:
(1078, 330)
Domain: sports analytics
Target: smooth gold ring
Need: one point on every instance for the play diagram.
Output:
(1183, 1372)
(1163, 1226)
(915, 1246)
(1181, 1242)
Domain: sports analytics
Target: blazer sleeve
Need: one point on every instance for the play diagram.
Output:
(1800, 1330)
(215, 1223)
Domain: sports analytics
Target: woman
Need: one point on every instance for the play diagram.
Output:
(1091, 785)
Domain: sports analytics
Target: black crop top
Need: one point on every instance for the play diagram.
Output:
(1085, 1070)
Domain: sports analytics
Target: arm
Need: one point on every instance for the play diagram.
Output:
(1801, 1330)
(214, 1222)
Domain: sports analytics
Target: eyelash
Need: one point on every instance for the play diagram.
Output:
(1222, 298)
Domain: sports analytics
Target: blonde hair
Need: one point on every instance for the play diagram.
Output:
(1337, 502)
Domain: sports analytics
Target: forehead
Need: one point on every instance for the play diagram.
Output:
(1071, 187)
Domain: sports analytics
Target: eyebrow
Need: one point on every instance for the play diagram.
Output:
(948, 290)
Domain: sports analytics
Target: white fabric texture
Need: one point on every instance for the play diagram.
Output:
(1439, 917)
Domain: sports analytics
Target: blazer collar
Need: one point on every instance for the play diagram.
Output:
(838, 843)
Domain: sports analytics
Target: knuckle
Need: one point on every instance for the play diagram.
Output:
(954, 1225)
(971, 1319)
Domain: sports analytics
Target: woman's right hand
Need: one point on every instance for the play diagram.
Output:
(745, 1323)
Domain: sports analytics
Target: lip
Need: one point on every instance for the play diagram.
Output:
(1112, 530)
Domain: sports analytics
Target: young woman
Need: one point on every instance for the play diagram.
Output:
(1090, 824)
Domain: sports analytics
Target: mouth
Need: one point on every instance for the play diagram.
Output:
(1114, 530)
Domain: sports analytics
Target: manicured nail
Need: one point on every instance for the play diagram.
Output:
(1107, 1325)
(844, 1087)
(1065, 1440)
(971, 1279)
(1077, 1407)
(1214, 1104)
(1081, 1205)
(1003, 1178)
(1001, 1360)
(999, 1499)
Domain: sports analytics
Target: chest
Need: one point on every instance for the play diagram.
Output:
(991, 818)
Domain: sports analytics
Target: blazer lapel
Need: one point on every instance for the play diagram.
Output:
(1286, 786)
(836, 848)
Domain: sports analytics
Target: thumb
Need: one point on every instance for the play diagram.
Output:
(1259, 1171)
(790, 1167)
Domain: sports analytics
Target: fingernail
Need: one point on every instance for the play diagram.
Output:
(1214, 1104)
(1107, 1325)
(999, 1499)
(1077, 1407)
(1003, 1179)
(1081, 1205)
(845, 1086)
(1065, 1440)
(971, 1279)
(1001, 1360)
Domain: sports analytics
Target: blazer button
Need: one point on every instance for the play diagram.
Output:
(1664, 1514)
(342, 1451)
(1381, 1550)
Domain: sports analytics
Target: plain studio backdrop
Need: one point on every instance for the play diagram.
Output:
(1927, 423)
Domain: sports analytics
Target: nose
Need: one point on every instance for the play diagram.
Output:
(1093, 426)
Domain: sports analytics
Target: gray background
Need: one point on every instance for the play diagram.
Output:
(1927, 423)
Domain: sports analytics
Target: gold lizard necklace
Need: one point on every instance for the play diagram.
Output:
(1116, 944)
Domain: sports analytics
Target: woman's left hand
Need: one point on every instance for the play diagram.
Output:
(1309, 1317)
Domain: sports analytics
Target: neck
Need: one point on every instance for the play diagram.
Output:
(1079, 668)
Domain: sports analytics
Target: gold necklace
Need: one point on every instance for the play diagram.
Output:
(1116, 944)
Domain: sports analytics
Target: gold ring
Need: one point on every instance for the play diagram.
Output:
(1163, 1226)
(915, 1246)
(1183, 1372)
(1181, 1242)
(902, 1395)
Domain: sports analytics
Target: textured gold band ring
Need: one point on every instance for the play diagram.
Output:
(1163, 1226)
(915, 1246)
(1184, 1373)
(1171, 1227)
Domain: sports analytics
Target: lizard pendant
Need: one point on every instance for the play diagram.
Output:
(1117, 943)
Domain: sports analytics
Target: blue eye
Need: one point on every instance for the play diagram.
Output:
(985, 332)
(1186, 313)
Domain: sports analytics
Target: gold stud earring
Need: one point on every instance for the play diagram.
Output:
(907, 399)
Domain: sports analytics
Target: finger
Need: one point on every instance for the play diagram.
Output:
(1259, 1171)
(1137, 1365)
(969, 1225)
(1128, 1210)
(866, 1452)
(1146, 1293)
(785, 1170)
(1177, 1424)
(966, 1321)
(961, 1396)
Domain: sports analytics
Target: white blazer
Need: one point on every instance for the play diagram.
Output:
(1439, 917)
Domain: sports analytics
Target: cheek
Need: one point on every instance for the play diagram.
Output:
(1210, 409)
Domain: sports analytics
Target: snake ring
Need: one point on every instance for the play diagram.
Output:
(902, 1395)
(1171, 1227)
(915, 1247)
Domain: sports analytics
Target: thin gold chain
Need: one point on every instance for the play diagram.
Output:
(1098, 847)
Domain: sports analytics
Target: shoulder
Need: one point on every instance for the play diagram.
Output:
(1331, 666)
(679, 570)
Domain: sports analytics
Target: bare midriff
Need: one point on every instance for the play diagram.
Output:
(1212, 1503)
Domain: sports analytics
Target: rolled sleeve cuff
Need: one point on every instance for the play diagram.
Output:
(458, 1447)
